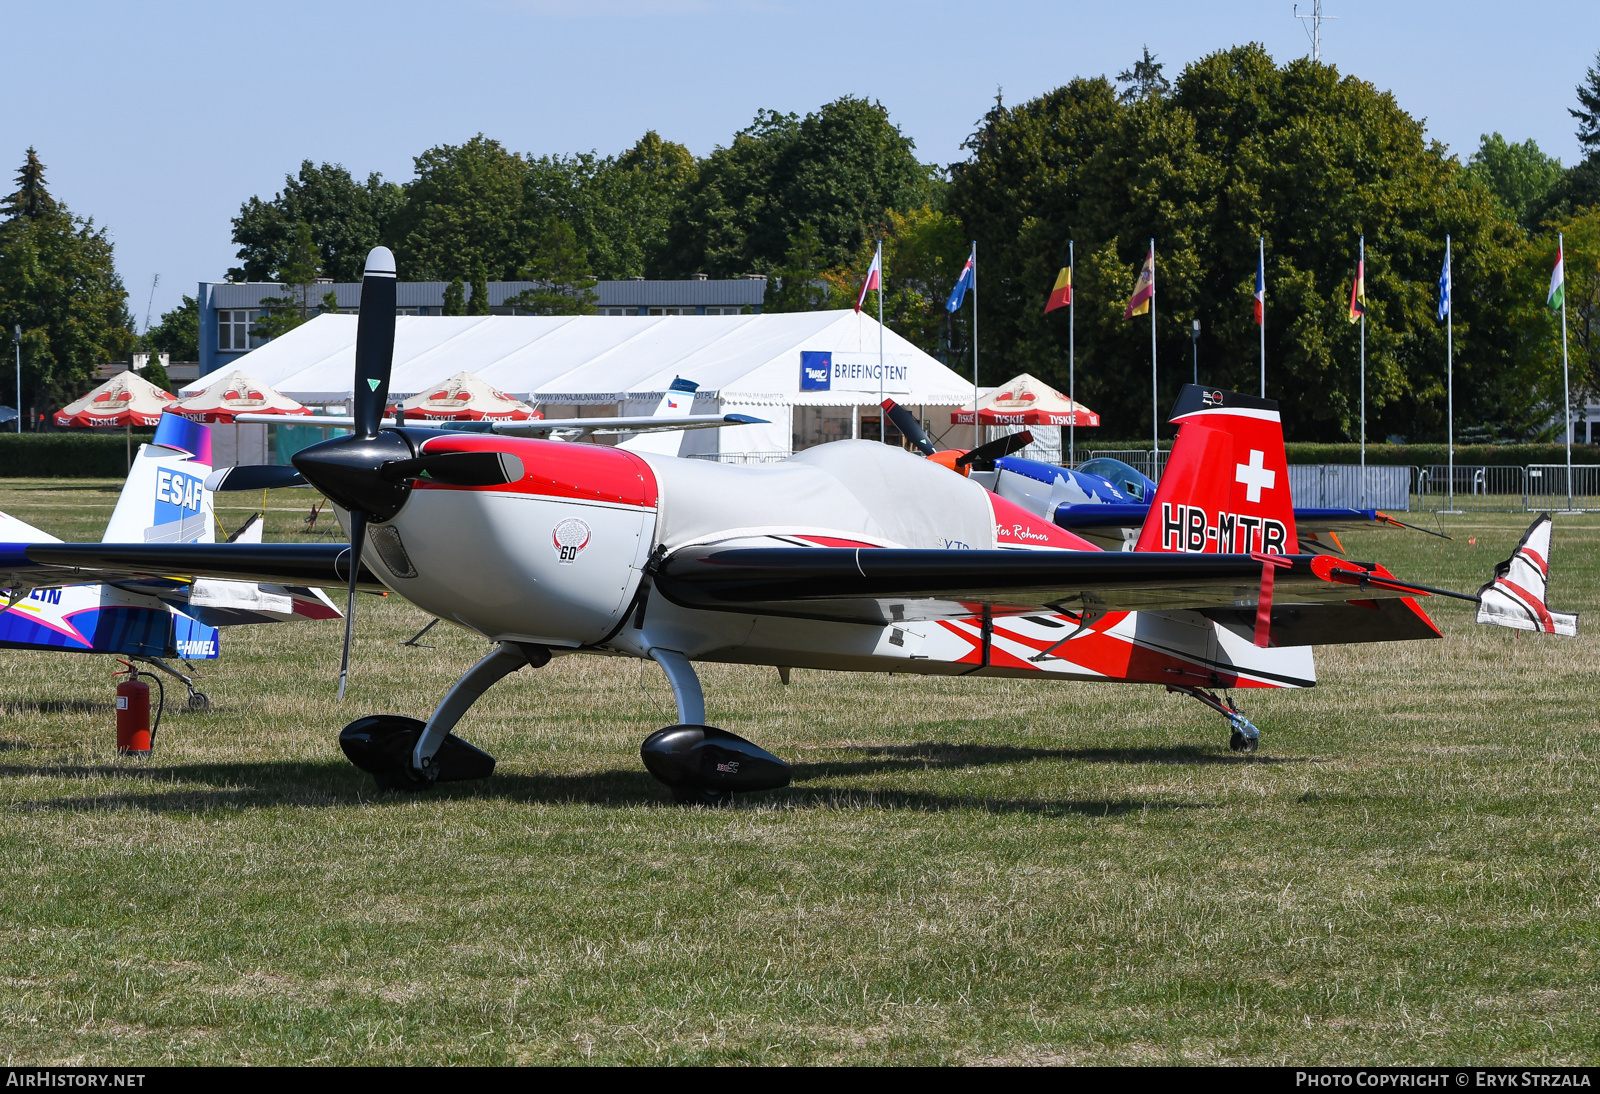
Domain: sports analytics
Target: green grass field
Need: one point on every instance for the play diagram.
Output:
(962, 871)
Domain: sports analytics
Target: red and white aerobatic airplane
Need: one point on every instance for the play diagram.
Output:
(851, 556)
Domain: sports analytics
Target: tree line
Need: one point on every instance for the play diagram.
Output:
(1234, 148)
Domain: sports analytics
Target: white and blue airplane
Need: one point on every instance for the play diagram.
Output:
(149, 620)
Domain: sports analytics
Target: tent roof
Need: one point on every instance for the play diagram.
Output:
(591, 359)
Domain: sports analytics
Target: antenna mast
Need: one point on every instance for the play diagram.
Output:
(1314, 31)
(150, 304)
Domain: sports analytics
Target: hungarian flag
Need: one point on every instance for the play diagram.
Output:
(1061, 294)
(874, 278)
(1358, 292)
(1558, 281)
(1261, 291)
(1144, 290)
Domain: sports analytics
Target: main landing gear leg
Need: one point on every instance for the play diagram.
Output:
(406, 754)
(701, 764)
(1245, 737)
(199, 702)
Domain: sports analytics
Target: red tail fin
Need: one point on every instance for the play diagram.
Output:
(1226, 486)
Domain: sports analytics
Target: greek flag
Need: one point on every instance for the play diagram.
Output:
(1444, 287)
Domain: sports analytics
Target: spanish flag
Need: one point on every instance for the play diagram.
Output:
(1358, 292)
(1144, 290)
(1061, 294)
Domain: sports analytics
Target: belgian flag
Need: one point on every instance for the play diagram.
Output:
(1061, 294)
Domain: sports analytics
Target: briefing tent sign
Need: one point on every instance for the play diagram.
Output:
(855, 372)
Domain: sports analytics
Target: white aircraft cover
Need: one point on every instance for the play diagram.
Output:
(236, 393)
(847, 489)
(743, 360)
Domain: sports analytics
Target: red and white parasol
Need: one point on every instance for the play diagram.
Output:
(1026, 400)
(127, 399)
(464, 398)
(236, 393)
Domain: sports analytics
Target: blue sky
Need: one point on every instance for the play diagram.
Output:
(158, 120)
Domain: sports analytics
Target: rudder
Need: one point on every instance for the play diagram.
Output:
(1226, 486)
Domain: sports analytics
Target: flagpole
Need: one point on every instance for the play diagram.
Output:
(1155, 395)
(883, 418)
(1450, 369)
(1362, 268)
(1072, 361)
(975, 441)
(1261, 264)
(1566, 379)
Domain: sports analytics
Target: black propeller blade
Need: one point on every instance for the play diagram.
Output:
(457, 468)
(254, 477)
(982, 458)
(374, 342)
(909, 427)
(348, 469)
(358, 537)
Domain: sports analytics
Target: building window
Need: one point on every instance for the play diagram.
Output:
(234, 329)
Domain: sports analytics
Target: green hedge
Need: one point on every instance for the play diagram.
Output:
(70, 455)
(1405, 455)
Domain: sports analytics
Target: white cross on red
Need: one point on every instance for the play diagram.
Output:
(1255, 476)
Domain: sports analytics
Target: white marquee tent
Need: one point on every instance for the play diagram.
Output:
(600, 365)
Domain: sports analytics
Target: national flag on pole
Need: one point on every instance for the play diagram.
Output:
(968, 278)
(1061, 294)
(1558, 281)
(874, 278)
(1358, 292)
(1144, 290)
(1444, 288)
(1261, 291)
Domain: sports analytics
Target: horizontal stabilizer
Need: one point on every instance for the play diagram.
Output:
(1516, 596)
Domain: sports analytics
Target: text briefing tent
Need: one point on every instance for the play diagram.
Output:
(127, 399)
(743, 364)
(464, 398)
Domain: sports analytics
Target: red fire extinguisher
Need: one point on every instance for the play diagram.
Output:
(135, 735)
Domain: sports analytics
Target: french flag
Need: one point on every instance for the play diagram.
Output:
(1261, 289)
(874, 278)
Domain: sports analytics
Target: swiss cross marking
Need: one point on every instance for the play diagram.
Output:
(1254, 475)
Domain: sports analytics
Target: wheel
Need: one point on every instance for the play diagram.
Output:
(711, 799)
(199, 702)
(1239, 742)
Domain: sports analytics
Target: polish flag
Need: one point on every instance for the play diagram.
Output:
(874, 278)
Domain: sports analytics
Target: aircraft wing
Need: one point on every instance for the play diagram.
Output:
(53, 565)
(880, 586)
(1109, 526)
(539, 427)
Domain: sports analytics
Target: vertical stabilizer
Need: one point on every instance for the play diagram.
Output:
(678, 402)
(164, 499)
(1515, 596)
(1226, 486)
